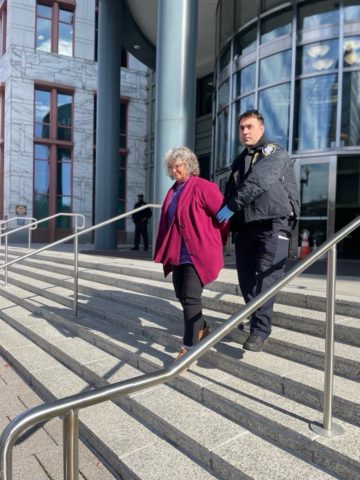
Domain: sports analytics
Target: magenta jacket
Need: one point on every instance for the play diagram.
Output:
(195, 221)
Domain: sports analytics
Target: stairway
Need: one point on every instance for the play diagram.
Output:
(233, 415)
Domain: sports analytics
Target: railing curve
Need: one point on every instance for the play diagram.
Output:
(4, 223)
(69, 406)
(33, 226)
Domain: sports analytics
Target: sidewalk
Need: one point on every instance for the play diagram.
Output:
(39, 457)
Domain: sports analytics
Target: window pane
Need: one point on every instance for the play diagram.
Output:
(274, 105)
(245, 41)
(276, 26)
(351, 10)
(43, 34)
(43, 11)
(42, 113)
(63, 204)
(64, 178)
(245, 80)
(316, 101)
(317, 57)
(41, 177)
(245, 11)
(275, 68)
(66, 16)
(222, 136)
(204, 95)
(223, 95)
(350, 119)
(315, 14)
(224, 57)
(41, 152)
(246, 103)
(65, 46)
(64, 103)
(227, 20)
(268, 4)
(314, 185)
(41, 208)
(351, 51)
(63, 171)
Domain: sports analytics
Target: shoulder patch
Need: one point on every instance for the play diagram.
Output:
(268, 149)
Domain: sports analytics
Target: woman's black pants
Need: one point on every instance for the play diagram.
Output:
(188, 290)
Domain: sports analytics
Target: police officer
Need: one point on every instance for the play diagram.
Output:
(262, 201)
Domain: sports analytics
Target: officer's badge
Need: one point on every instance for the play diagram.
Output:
(268, 149)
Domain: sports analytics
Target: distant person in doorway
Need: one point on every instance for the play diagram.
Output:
(140, 220)
(189, 241)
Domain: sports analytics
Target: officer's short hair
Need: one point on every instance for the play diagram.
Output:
(252, 113)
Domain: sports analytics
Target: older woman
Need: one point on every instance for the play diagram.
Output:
(189, 240)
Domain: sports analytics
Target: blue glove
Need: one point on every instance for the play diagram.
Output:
(224, 214)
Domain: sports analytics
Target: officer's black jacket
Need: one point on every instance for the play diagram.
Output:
(262, 183)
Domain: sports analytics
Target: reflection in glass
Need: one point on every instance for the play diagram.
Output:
(223, 95)
(275, 68)
(245, 41)
(274, 105)
(315, 115)
(64, 111)
(63, 172)
(351, 10)
(41, 152)
(227, 20)
(314, 180)
(350, 118)
(268, 4)
(63, 204)
(313, 15)
(317, 57)
(276, 26)
(351, 51)
(41, 208)
(65, 40)
(245, 80)
(41, 177)
(43, 27)
(42, 114)
(222, 137)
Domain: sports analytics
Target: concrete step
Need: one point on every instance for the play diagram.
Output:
(291, 345)
(211, 438)
(132, 450)
(302, 292)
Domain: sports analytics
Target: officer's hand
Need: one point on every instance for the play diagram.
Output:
(224, 214)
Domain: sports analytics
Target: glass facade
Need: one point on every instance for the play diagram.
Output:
(298, 62)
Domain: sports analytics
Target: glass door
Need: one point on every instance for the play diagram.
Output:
(317, 184)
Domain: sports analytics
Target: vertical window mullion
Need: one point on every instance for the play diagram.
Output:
(55, 28)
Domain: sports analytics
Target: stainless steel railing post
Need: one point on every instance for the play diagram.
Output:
(329, 428)
(6, 259)
(76, 275)
(71, 445)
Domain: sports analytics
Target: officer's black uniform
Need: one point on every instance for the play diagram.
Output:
(262, 191)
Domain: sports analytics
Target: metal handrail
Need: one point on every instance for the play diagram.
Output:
(35, 224)
(75, 237)
(69, 406)
(3, 226)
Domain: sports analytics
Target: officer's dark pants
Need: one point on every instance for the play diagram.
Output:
(261, 251)
(188, 290)
(141, 231)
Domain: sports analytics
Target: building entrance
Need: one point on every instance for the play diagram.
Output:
(317, 177)
(348, 203)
